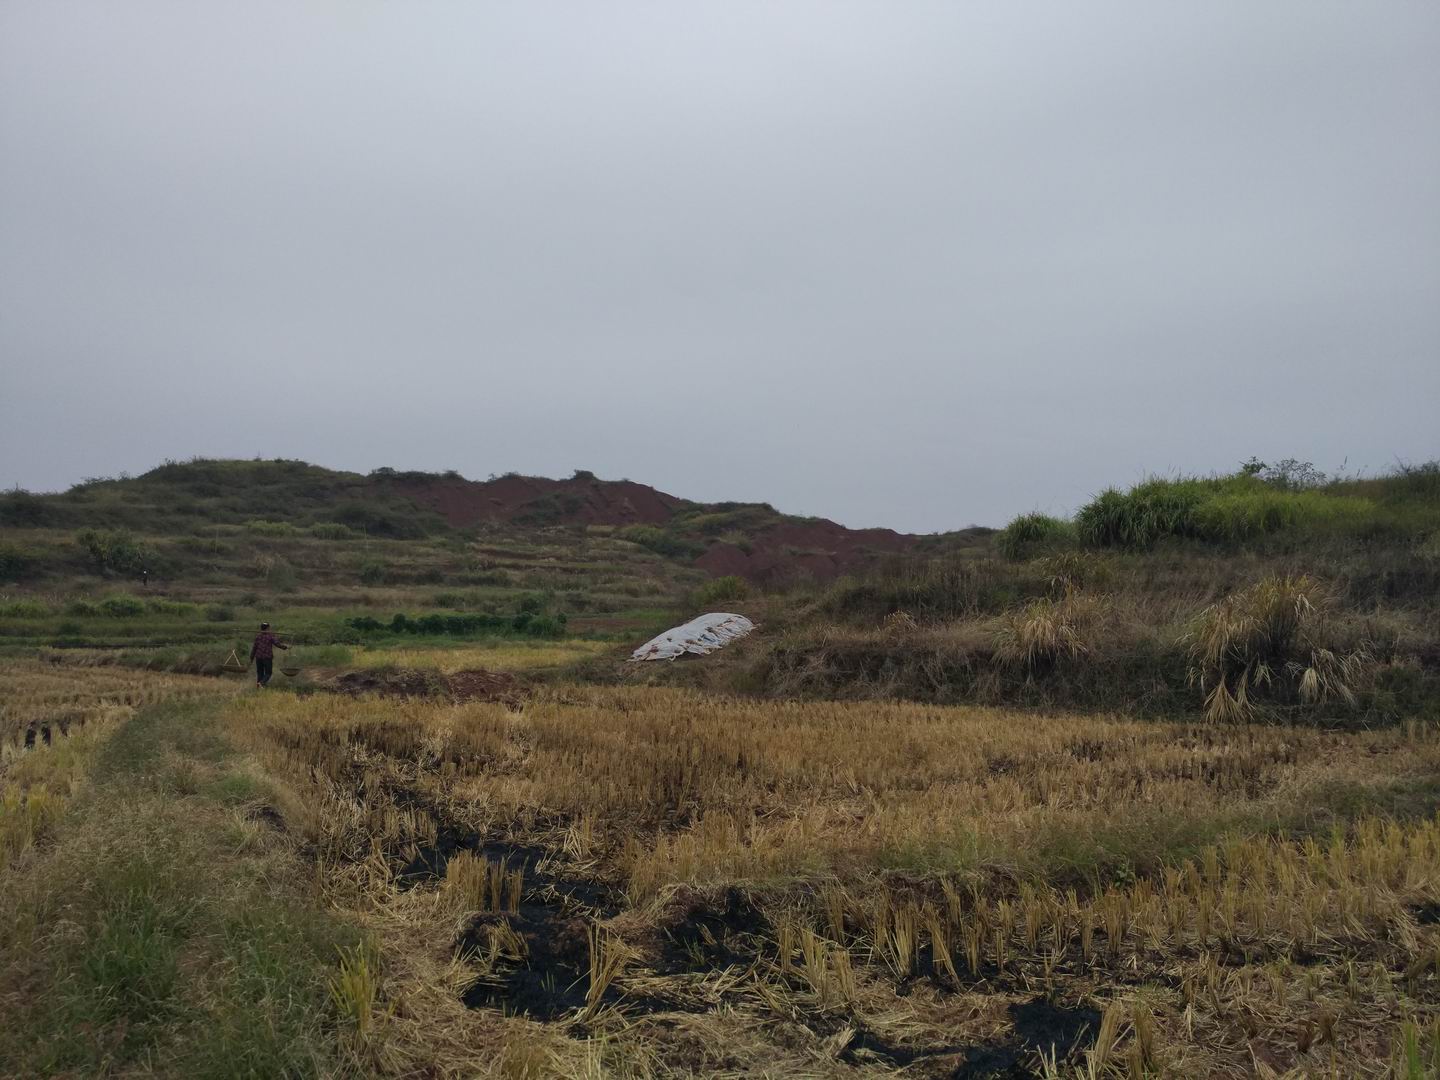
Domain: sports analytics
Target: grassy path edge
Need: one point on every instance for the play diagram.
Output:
(168, 927)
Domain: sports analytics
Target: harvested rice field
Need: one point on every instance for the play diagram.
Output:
(575, 880)
(655, 882)
(493, 656)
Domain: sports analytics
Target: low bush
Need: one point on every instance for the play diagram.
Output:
(331, 530)
(121, 607)
(113, 551)
(660, 541)
(1072, 570)
(577, 600)
(524, 624)
(1047, 631)
(932, 589)
(283, 577)
(374, 573)
(170, 607)
(722, 590)
(15, 564)
(1139, 517)
(488, 577)
(1028, 532)
(549, 509)
(272, 528)
(1255, 504)
(219, 613)
(372, 520)
(1267, 642)
(22, 509)
(24, 609)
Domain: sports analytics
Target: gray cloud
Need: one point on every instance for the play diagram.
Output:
(906, 264)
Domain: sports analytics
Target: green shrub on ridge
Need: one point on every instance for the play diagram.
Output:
(1034, 530)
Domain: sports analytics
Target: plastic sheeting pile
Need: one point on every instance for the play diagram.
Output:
(700, 636)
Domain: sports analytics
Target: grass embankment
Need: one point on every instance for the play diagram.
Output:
(1265, 506)
(1230, 596)
(154, 920)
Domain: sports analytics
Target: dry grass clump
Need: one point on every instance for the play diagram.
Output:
(1048, 631)
(24, 817)
(1270, 637)
(482, 885)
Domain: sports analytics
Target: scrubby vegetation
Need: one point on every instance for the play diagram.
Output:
(1259, 502)
(660, 541)
(1140, 608)
(722, 590)
(526, 623)
(1270, 639)
(1033, 531)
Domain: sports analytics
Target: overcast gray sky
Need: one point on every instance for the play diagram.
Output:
(900, 263)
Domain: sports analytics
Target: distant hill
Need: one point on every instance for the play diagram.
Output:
(751, 540)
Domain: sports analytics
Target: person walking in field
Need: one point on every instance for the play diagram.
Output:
(263, 653)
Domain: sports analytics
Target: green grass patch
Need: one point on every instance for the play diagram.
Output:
(162, 932)
(1246, 507)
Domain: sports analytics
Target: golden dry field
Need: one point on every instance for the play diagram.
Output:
(643, 881)
(494, 656)
(52, 720)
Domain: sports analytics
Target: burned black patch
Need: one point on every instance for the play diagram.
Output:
(1426, 914)
(550, 980)
(714, 934)
(430, 860)
(1043, 1024)
(266, 815)
(866, 1047)
(1006, 1062)
(549, 977)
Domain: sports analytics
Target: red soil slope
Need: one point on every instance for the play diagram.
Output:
(817, 549)
(580, 500)
(814, 547)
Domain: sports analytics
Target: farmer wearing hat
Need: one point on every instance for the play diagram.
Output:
(263, 653)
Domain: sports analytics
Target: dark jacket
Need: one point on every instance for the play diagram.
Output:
(265, 645)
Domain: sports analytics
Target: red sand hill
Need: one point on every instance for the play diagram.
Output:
(779, 548)
(580, 500)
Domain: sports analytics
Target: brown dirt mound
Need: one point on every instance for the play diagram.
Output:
(582, 499)
(475, 684)
(814, 548)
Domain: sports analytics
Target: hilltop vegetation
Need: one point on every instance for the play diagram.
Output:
(162, 517)
(1264, 507)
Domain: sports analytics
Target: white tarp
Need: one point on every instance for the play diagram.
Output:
(701, 635)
